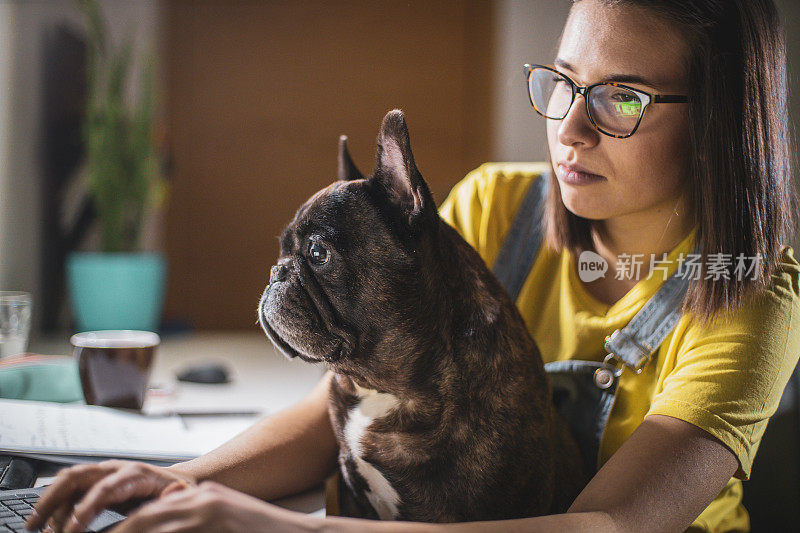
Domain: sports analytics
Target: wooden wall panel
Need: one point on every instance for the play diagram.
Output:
(257, 95)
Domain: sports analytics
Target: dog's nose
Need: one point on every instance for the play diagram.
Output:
(277, 273)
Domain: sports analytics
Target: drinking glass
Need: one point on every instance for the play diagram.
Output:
(15, 322)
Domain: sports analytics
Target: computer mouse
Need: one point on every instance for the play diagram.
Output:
(205, 373)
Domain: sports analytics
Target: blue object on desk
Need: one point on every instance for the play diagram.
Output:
(55, 380)
(116, 290)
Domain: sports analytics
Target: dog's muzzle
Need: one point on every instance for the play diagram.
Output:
(278, 273)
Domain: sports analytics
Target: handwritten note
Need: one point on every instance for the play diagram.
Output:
(48, 428)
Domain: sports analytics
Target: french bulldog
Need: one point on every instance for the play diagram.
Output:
(439, 401)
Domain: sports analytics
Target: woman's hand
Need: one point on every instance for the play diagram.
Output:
(80, 492)
(214, 507)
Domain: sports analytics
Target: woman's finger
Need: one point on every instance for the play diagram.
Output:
(60, 517)
(66, 488)
(131, 481)
(175, 486)
(159, 516)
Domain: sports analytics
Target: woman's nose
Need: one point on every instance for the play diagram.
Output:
(576, 128)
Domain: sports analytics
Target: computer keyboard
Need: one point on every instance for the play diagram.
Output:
(16, 505)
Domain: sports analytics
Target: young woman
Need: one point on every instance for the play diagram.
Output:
(668, 132)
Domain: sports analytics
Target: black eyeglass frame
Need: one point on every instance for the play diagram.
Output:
(645, 97)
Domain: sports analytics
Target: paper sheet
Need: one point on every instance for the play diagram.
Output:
(87, 430)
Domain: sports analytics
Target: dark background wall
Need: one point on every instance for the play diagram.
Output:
(257, 96)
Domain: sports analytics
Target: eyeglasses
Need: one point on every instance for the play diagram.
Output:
(614, 109)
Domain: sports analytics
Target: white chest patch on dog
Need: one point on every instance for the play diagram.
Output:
(373, 405)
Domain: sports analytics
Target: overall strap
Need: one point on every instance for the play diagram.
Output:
(632, 345)
(519, 249)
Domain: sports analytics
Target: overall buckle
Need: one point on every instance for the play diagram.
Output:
(604, 376)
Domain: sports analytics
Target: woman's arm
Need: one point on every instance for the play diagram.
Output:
(283, 454)
(660, 479)
(280, 455)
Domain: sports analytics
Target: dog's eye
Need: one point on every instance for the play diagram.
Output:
(317, 253)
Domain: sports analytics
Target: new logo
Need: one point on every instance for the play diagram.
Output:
(591, 266)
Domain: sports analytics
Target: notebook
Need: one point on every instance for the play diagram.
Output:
(44, 430)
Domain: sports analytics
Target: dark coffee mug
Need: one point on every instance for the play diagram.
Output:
(114, 366)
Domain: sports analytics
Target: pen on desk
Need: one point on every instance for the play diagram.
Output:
(232, 413)
(218, 413)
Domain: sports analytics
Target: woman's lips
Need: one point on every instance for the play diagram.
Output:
(571, 176)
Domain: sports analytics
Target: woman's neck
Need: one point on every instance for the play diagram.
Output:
(656, 231)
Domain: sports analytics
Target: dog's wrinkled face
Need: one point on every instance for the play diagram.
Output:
(346, 284)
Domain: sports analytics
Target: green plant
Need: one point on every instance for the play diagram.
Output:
(123, 176)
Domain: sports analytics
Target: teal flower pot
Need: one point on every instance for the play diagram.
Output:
(116, 290)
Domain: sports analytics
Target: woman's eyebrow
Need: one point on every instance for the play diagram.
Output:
(619, 78)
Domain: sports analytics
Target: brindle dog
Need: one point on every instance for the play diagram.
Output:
(440, 402)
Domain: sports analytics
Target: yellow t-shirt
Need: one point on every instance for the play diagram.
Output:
(726, 378)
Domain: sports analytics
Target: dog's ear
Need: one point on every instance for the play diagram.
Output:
(397, 175)
(347, 169)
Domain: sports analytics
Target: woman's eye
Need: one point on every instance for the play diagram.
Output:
(625, 97)
(317, 253)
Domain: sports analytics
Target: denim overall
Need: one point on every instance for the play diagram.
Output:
(584, 391)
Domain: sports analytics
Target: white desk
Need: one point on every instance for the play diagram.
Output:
(261, 380)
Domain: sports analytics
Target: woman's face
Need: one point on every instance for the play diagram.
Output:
(645, 174)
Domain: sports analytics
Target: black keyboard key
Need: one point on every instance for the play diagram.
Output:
(6, 495)
(16, 473)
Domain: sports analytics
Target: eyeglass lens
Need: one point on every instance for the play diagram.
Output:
(615, 110)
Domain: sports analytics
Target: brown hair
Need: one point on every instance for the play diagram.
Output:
(741, 173)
